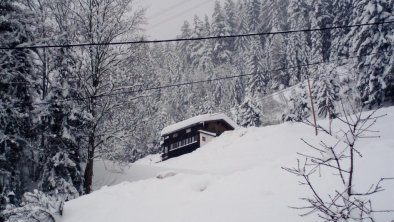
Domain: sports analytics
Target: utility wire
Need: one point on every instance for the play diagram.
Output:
(193, 39)
(237, 76)
(199, 82)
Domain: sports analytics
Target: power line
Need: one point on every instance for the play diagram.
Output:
(194, 39)
(199, 82)
(238, 76)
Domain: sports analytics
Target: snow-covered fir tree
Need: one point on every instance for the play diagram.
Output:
(17, 93)
(342, 14)
(242, 43)
(276, 49)
(298, 106)
(322, 17)
(197, 50)
(298, 44)
(185, 47)
(256, 68)
(372, 70)
(253, 15)
(230, 21)
(221, 50)
(36, 206)
(326, 90)
(249, 114)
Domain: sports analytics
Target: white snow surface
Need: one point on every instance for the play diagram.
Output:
(198, 119)
(236, 178)
(107, 173)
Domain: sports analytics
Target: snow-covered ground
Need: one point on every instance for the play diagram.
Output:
(107, 173)
(237, 177)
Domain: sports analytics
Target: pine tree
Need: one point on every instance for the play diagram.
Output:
(326, 92)
(274, 15)
(298, 44)
(322, 17)
(372, 70)
(298, 109)
(259, 77)
(268, 8)
(62, 174)
(197, 47)
(242, 43)
(276, 48)
(207, 106)
(342, 15)
(185, 47)
(62, 123)
(201, 52)
(17, 92)
(37, 206)
(221, 50)
(249, 114)
(230, 23)
(389, 79)
(254, 15)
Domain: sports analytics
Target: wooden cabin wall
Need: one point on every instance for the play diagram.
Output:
(217, 127)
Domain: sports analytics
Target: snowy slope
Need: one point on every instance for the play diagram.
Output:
(243, 180)
(107, 173)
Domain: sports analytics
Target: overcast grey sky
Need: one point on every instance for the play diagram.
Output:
(165, 17)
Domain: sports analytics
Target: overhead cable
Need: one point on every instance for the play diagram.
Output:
(24, 46)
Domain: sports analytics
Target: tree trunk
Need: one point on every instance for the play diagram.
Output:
(312, 104)
(88, 175)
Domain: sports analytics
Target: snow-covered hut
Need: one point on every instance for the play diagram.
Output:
(188, 135)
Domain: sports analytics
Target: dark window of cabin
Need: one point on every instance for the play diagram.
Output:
(203, 139)
(182, 143)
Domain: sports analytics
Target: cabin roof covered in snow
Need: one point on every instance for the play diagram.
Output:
(198, 119)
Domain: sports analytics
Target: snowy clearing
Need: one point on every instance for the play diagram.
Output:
(243, 180)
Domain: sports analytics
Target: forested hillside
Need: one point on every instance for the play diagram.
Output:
(63, 106)
(354, 64)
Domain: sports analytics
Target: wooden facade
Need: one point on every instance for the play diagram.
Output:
(190, 137)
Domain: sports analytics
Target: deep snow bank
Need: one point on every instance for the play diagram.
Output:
(243, 180)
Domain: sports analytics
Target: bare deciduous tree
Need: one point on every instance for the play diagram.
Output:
(102, 21)
(344, 203)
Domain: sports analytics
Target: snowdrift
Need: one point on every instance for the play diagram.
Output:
(237, 177)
